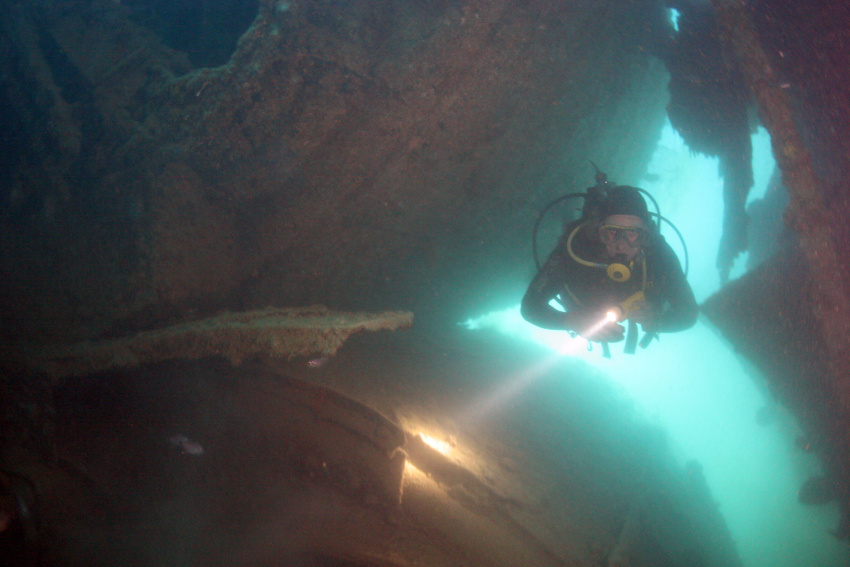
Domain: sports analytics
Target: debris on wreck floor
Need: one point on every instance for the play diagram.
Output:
(285, 472)
(274, 332)
(394, 453)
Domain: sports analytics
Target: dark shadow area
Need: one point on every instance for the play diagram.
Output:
(206, 30)
(271, 463)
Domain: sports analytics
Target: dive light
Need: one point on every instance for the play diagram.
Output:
(621, 312)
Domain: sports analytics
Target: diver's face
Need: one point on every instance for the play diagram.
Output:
(622, 236)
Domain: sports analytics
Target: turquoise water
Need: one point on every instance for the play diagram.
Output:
(704, 396)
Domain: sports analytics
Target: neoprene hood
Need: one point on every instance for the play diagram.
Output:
(625, 200)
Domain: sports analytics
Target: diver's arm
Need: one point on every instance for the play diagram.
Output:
(679, 310)
(680, 313)
(545, 286)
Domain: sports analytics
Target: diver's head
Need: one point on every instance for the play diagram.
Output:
(625, 223)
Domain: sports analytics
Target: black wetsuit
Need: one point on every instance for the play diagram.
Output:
(667, 291)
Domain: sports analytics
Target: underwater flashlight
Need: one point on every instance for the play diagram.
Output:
(622, 311)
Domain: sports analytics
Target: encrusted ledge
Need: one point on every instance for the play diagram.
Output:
(279, 333)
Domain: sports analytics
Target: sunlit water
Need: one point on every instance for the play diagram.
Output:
(694, 386)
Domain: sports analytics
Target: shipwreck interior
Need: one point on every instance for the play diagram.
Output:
(261, 266)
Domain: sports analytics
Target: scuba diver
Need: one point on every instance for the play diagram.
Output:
(611, 266)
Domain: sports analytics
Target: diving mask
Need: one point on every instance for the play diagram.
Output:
(611, 233)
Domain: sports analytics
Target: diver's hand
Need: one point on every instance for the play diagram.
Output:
(609, 332)
(647, 318)
(594, 326)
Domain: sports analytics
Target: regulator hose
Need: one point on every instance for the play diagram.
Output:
(656, 215)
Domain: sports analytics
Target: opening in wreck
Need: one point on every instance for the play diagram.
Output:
(714, 406)
(205, 30)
